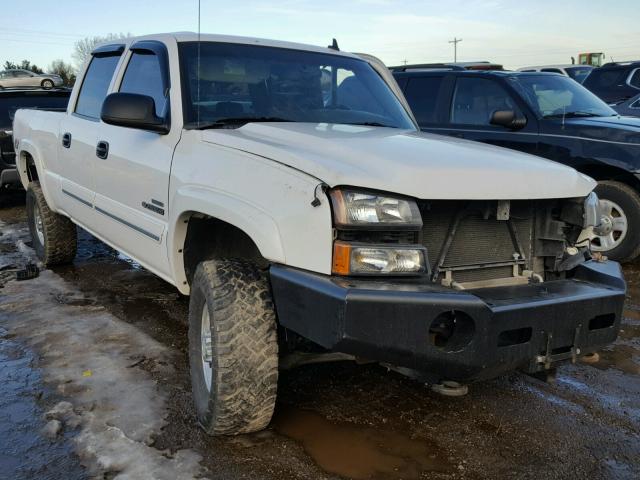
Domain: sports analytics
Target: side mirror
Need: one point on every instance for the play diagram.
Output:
(508, 119)
(133, 111)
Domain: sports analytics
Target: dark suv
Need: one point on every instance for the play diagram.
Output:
(10, 101)
(615, 82)
(544, 114)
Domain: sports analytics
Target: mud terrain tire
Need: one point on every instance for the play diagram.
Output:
(54, 236)
(243, 375)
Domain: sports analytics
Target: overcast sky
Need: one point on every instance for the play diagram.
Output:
(515, 33)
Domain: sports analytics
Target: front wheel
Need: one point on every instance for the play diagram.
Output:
(233, 348)
(54, 236)
(47, 84)
(621, 204)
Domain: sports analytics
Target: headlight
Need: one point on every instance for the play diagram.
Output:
(352, 209)
(351, 259)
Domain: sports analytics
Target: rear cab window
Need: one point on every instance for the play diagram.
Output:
(10, 103)
(96, 81)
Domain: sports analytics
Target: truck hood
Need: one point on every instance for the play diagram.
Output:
(612, 130)
(412, 163)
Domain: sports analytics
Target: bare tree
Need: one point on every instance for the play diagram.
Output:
(83, 48)
(24, 65)
(65, 70)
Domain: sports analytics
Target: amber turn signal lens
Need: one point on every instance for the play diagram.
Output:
(341, 258)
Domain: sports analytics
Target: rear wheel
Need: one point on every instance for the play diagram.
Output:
(54, 236)
(233, 349)
(621, 204)
(47, 84)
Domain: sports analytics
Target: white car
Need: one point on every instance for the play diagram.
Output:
(578, 72)
(24, 78)
(285, 187)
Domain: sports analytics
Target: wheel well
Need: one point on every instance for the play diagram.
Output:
(30, 167)
(599, 173)
(208, 238)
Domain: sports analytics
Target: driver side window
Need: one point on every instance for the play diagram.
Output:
(144, 76)
(476, 99)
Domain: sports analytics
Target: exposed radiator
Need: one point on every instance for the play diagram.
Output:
(482, 247)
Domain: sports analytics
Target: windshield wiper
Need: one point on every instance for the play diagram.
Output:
(371, 124)
(236, 121)
(576, 114)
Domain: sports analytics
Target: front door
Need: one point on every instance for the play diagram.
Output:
(473, 103)
(132, 180)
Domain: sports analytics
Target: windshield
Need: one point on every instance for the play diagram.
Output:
(239, 82)
(557, 96)
(9, 105)
(579, 74)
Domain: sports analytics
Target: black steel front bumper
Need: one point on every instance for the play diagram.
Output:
(487, 331)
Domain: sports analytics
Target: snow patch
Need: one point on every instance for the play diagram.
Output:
(94, 360)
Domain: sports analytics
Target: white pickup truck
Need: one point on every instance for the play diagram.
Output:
(286, 188)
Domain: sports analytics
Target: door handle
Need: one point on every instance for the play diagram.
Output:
(457, 135)
(102, 149)
(66, 140)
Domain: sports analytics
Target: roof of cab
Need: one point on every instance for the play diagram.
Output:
(208, 37)
(475, 73)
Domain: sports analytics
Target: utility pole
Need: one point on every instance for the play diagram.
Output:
(455, 42)
(405, 62)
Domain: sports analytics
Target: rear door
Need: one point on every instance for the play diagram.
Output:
(473, 103)
(78, 136)
(132, 181)
(427, 96)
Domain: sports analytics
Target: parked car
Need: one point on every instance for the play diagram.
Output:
(615, 83)
(277, 199)
(629, 108)
(543, 114)
(10, 101)
(25, 78)
(578, 72)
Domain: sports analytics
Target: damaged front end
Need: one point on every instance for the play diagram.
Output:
(481, 244)
(479, 288)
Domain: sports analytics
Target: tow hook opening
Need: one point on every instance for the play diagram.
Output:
(452, 331)
(516, 336)
(602, 321)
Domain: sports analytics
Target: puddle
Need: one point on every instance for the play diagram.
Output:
(360, 452)
(621, 357)
(25, 453)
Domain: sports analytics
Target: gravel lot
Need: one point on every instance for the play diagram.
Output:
(93, 361)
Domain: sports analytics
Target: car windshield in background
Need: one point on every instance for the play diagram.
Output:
(579, 74)
(9, 105)
(242, 83)
(557, 96)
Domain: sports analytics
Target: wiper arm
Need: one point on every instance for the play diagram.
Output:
(237, 121)
(371, 124)
(573, 115)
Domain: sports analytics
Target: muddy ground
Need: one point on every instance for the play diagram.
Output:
(109, 338)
